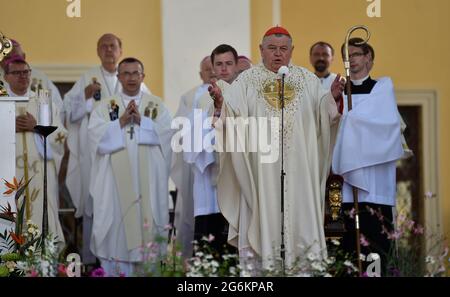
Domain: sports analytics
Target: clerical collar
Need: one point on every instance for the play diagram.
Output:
(127, 99)
(107, 73)
(358, 82)
(12, 94)
(364, 88)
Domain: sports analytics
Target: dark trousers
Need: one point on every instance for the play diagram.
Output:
(216, 225)
(371, 226)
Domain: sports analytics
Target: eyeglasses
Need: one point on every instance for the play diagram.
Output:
(26, 72)
(126, 74)
(356, 55)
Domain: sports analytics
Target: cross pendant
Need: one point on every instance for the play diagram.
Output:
(131, 132)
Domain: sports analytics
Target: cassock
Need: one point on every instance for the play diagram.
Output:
(249, 188)
(368, 145)
(193, 168)
(129, 178)
(78, 111)
(35, 154)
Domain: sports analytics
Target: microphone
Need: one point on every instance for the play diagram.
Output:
(283, 71)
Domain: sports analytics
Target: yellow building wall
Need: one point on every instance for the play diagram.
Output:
(49, 36)
(412, 44)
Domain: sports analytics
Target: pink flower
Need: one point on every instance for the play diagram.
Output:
(151, 256)
(351, 214)
(444, 254)
(380, 217)
(122, 274)
(410, 224)
(33, 273)
(363, 240)
(395, 235)
(99, 272)
(418, 230)
(62, 269)
(210, 238)
(429, 195)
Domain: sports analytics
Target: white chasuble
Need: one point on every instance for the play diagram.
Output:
(249, 190)
(129, 179)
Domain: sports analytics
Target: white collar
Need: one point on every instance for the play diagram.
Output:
(12, 94)
(358, 82)
(126, 99)
(106, 72)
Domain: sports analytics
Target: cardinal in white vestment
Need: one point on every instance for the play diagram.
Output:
(249, 189)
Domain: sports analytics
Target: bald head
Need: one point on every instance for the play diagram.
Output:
(244, 63)
(109, 36)
(109, 50)
(206, 70)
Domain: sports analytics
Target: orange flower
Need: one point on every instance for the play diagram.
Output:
(12, 187)
(17, 238)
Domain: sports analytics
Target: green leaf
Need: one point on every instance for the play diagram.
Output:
(22, 189)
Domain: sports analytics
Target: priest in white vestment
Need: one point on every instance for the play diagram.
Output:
(30, 145)
(249, 182)
(129, 137)
(93, 88)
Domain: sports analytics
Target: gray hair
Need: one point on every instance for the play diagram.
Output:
(264, 40)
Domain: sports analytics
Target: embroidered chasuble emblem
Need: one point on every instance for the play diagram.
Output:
(113, 110)
(151, 110)
(272, 92)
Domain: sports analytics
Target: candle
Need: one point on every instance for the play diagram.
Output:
(44, 115)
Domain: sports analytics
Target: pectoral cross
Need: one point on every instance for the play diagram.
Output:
(131, 131)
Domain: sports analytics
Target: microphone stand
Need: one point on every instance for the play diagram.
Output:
(282, 175)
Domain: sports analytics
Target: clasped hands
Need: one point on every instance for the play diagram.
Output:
(131, 114)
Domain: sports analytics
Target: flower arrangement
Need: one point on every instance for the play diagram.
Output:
(21, 250)
(406, 257)
(208, 262)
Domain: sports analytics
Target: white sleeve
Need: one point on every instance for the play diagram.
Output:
(39, 141)
(77, 104)
(89, 105)
(113, 139)
(147, 132)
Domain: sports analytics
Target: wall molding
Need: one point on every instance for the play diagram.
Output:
(428, 102)
(63, 72)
